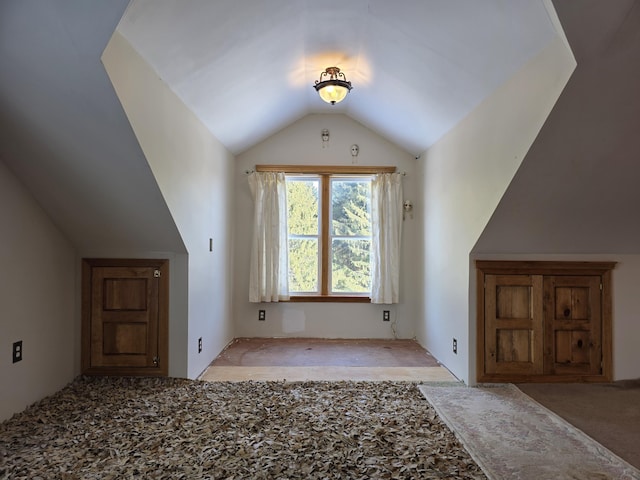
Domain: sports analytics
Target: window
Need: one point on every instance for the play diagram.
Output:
(329, 223)
(343, 237)
(304, 225)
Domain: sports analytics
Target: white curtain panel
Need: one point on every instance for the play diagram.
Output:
(269, 271)
(386, 220)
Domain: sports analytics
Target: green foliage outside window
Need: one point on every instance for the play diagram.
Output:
(351, 232)
(350, 225)
(303, 218)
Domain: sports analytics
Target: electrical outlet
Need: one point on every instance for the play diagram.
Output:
(200, 345)
(386, 315)
(262, 315)
(455, 346)
(17, 351)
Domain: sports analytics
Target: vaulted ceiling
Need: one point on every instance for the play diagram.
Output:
(246, 68)
(417, 67)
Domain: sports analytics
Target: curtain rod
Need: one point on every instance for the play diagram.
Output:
(325, 169)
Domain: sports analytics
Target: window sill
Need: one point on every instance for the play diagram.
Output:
(330, 298)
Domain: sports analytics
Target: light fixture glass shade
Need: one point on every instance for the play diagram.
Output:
(333, 93)
(332, 86)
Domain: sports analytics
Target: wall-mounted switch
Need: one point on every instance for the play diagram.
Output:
(386, 315)
(211, 244)
(455, 346)
(17, 351)
(262, 315)
(200, 345)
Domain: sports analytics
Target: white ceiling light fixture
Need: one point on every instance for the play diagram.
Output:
(332, 86)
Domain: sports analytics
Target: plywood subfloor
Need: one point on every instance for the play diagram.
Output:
(309, 359)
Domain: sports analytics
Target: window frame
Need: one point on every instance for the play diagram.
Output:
(324, 173)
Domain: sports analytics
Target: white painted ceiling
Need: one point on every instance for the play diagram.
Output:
(246, 67)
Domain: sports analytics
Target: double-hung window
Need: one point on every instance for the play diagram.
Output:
(329, 235)
(332, 216)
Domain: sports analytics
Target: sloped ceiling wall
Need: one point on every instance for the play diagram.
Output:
(577, 190)
(63, 131)
(417, 70)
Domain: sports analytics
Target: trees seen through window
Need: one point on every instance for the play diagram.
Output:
(329, 221)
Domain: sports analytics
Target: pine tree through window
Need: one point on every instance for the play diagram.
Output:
(329, 221)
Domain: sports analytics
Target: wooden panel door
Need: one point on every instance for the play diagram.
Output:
(513, 324)
(574, 303)
(573, 323)
(124, 331)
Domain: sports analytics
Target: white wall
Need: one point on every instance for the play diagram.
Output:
(626, 317)
(301, 144)
(37, 300)
(464, 176)
(194, 172)
(64, 133)
(626, 303)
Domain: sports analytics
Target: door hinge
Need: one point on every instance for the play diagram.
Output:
(157, 273)
(156, 361)
(600, 287)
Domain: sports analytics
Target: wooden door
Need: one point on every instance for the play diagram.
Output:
(125, 317)
(542, 321)
(573, 323)
(513, 324)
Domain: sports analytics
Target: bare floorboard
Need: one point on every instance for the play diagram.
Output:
(301, 359)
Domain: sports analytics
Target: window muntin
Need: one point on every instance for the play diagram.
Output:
(329, 235)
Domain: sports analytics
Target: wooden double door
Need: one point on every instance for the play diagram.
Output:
(125, 317)
(544, 321)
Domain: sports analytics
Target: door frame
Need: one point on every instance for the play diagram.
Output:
(555, 268)
(163, 317)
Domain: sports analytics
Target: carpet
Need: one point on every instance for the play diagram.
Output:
(607, 412)
(159, 428)
(513, 437)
